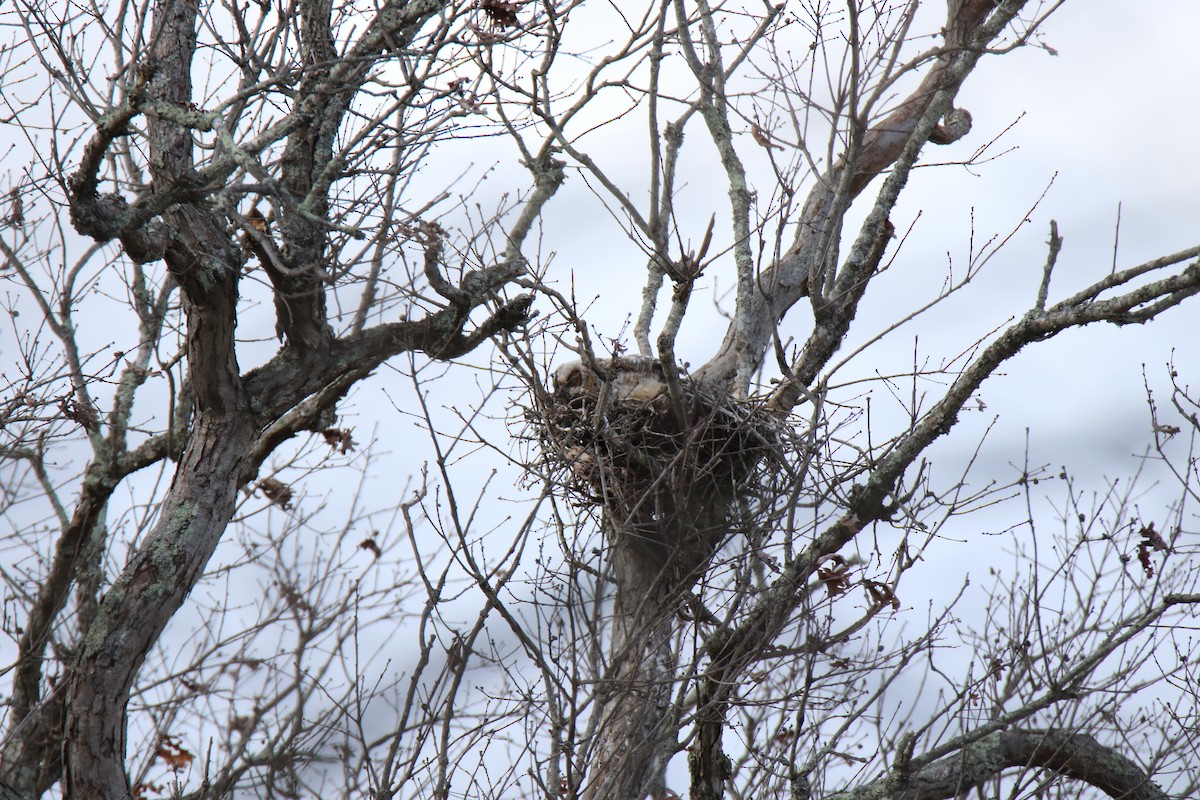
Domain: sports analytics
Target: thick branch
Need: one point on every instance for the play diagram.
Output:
(221, 457)
(869, 501)
(310, 164)
(206, 262)
(638, 720)
(1074, 756)
(29, 757)
(142, 600)
(787, 280)
(109, 216)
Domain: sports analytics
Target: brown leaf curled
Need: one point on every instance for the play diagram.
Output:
(835, 576)
(339, 439)
(1151, 540)
(501, 15)
(277, 492)
(763, 138)
(881, 594)
(173, 754)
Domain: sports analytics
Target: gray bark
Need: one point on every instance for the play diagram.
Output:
(239, 419)
(969, 31)
(1075, 756)
(635, 730)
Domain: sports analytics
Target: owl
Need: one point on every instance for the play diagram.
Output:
(633, 379)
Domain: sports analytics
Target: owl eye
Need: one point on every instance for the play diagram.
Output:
(564, 378)
(568, 381)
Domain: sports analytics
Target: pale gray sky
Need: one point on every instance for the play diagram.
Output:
(1111, 119)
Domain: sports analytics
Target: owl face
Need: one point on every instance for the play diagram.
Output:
(632, 381)
(572, 380)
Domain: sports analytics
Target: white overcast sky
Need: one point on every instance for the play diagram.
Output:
(1112, 119)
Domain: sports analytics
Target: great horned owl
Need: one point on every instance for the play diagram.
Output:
(632, 379)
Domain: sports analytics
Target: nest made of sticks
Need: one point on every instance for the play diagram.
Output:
(660, 456)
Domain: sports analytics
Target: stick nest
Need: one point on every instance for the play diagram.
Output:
(666, 462)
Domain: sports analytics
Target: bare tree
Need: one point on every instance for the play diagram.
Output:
(708, 564)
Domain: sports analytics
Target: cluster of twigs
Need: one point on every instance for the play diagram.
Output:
(668, 477)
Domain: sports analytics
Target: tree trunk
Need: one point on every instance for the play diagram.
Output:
(137, 608)
(638, 721)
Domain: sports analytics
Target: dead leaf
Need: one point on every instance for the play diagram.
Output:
(16, 209)
(339, 439)
(762, 137)
(501, 15)
(277, 492)
(139, 790)
(881, 594)
(1151, 540)
(836, 577)
(173, 754)
(369, 543)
